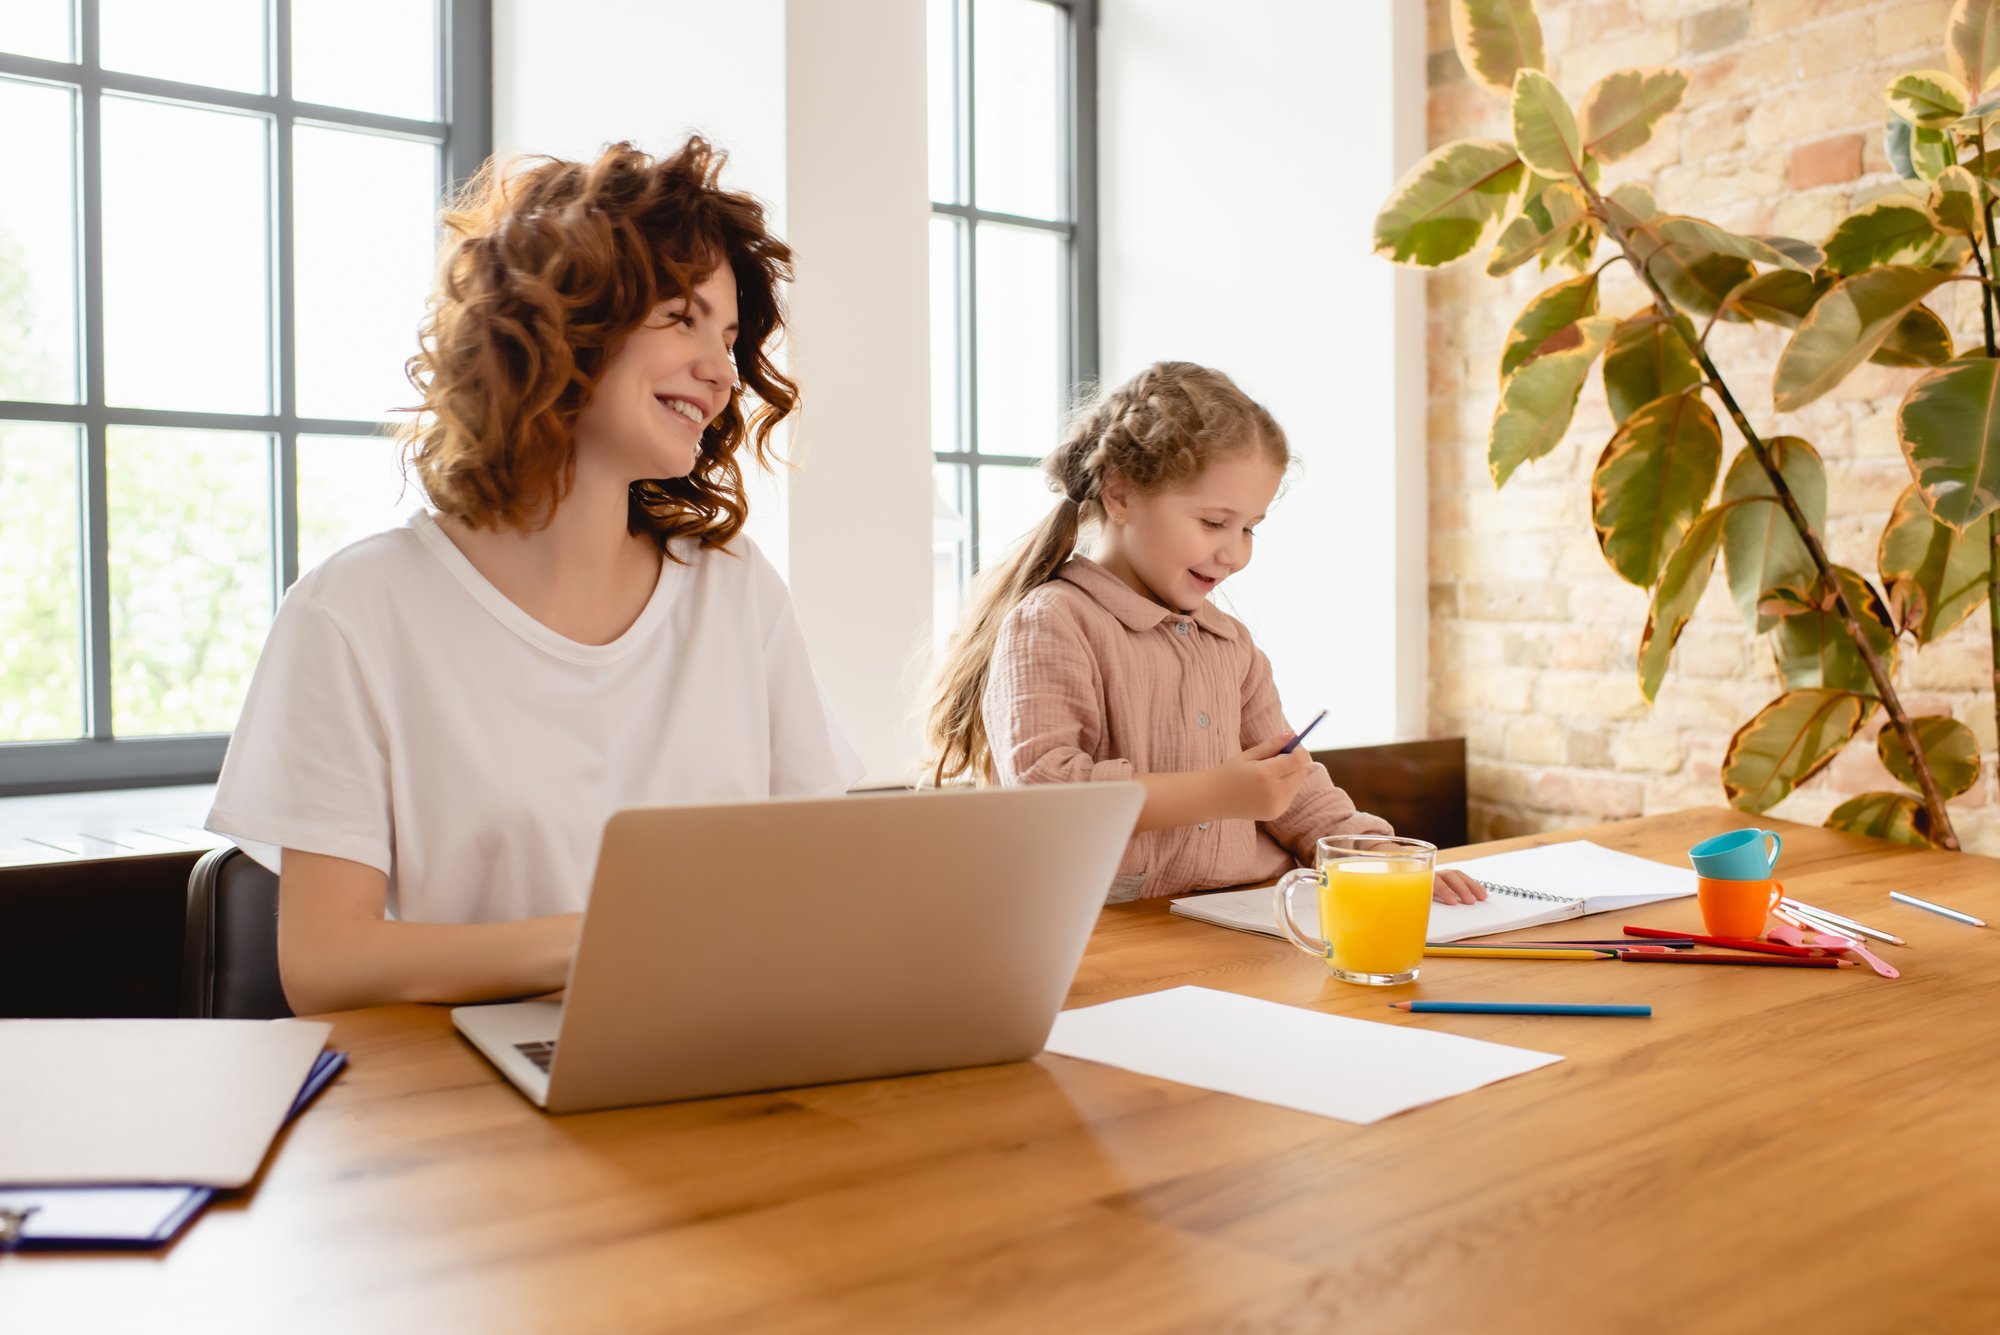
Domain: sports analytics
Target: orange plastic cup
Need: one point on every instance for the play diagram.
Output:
(1737, 908)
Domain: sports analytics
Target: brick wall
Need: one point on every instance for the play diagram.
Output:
(1533, 638)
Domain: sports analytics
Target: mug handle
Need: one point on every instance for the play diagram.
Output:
(1774, 843)
(1281, 895)
(1777, 893)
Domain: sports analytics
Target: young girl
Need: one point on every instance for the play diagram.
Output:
(1070, 669)
(445, 714)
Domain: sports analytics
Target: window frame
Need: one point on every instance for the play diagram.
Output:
(100, 758)
(1080, 323)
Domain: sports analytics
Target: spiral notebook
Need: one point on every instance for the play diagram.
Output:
(1526, 887)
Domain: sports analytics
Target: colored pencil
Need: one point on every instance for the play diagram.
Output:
(1615, 943)
(1774, 961)
(1737, 943)
(1510, 953)
(1515, 1008)
(1914, 902)
(1848, 924)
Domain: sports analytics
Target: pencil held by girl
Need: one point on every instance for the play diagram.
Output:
(1072, 668)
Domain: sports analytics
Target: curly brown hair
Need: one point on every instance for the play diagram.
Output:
(1159, 429)
(546, 268)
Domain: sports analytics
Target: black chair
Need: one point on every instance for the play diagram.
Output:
(229, 963)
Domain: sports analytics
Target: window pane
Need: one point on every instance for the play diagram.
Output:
(186, 289)
(947, 357)
(220, 43)
(941, 32)
(364, 266)
(372, 55)
(349, 487)
(38, 343)
(1021, 275)
(1019, 113)
(1012, 501)
(191, 576)
(949, 543)
(41, 590)
(40, 28)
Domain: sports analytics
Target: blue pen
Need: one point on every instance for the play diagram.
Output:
(1300, 735)
(1516, 1008)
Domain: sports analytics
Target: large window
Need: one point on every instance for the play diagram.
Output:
(217, 230)
(1013, 265)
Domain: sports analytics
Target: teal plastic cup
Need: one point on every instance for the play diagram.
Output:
(1740, 855)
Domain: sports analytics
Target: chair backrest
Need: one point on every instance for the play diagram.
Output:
(1418, 787)
(229, 965)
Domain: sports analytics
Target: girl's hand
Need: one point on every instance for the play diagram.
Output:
(1455, 887)
(1259, 784)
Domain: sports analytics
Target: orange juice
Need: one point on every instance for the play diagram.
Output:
(1374, 912)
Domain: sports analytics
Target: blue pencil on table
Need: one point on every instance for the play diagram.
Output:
(1516, 1008)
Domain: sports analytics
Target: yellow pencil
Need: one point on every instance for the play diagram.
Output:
(1501, 953)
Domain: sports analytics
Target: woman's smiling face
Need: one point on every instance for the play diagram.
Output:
(670, 379)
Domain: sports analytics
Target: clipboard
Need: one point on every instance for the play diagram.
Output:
(112, 1218)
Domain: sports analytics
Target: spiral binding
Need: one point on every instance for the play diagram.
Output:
(1524, 893)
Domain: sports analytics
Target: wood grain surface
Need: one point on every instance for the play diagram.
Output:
(1775, 1146)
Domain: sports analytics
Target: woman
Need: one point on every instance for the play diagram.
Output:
(445, 714)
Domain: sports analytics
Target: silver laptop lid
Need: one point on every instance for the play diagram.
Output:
(749, 946)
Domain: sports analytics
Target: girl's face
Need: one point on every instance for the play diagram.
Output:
(666, 384)
(1176, 544)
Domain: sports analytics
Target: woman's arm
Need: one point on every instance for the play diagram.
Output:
(337, 951)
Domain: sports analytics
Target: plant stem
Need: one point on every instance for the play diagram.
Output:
(1993, 552)
(1885, 690)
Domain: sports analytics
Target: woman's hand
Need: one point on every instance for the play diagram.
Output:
(1455, 887)
(1259, 784)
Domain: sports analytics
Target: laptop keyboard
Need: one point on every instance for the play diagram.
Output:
(542, 1053)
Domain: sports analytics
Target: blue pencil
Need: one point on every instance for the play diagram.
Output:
(1516, 1008)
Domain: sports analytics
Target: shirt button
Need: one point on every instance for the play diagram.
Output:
(1180, 628)
(1202, 826)
(1201, 720)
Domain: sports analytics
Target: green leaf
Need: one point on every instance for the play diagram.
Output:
(1621, 109)
(1680, 588)
(1954, 202)
(1546, 314)
(1790, 740)
(1897, 817)
(1919, 339)
(1917, 155)
(1445, 204)
(1496, 39)
(1814, 647)
(1636, 201)
(1781, 297)
(1538, 230)
(1544, 129)
(1935, 575)
(1652, 480)
(1781, 251)
(1646, 360)
(1694, 275)
(1949, 746)
(1538, 400)
(1893, 230)
(1972, 42)
(1927, 99)
(1578, 248)
(1844, 328)
(1949, 424)
(1761, 548)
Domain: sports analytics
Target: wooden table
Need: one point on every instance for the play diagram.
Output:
(1776, 1145)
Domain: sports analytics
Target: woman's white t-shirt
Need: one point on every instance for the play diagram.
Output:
(406, 715)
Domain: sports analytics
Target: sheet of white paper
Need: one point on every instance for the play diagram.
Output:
(123, 1102)
(1354, 1070)
(1578, 869)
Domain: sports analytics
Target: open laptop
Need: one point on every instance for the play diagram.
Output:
(761, 945)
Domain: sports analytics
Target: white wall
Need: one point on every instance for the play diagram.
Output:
(1241, 160)
(821, 107)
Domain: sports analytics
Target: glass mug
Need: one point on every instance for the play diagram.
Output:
(1374, 906)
